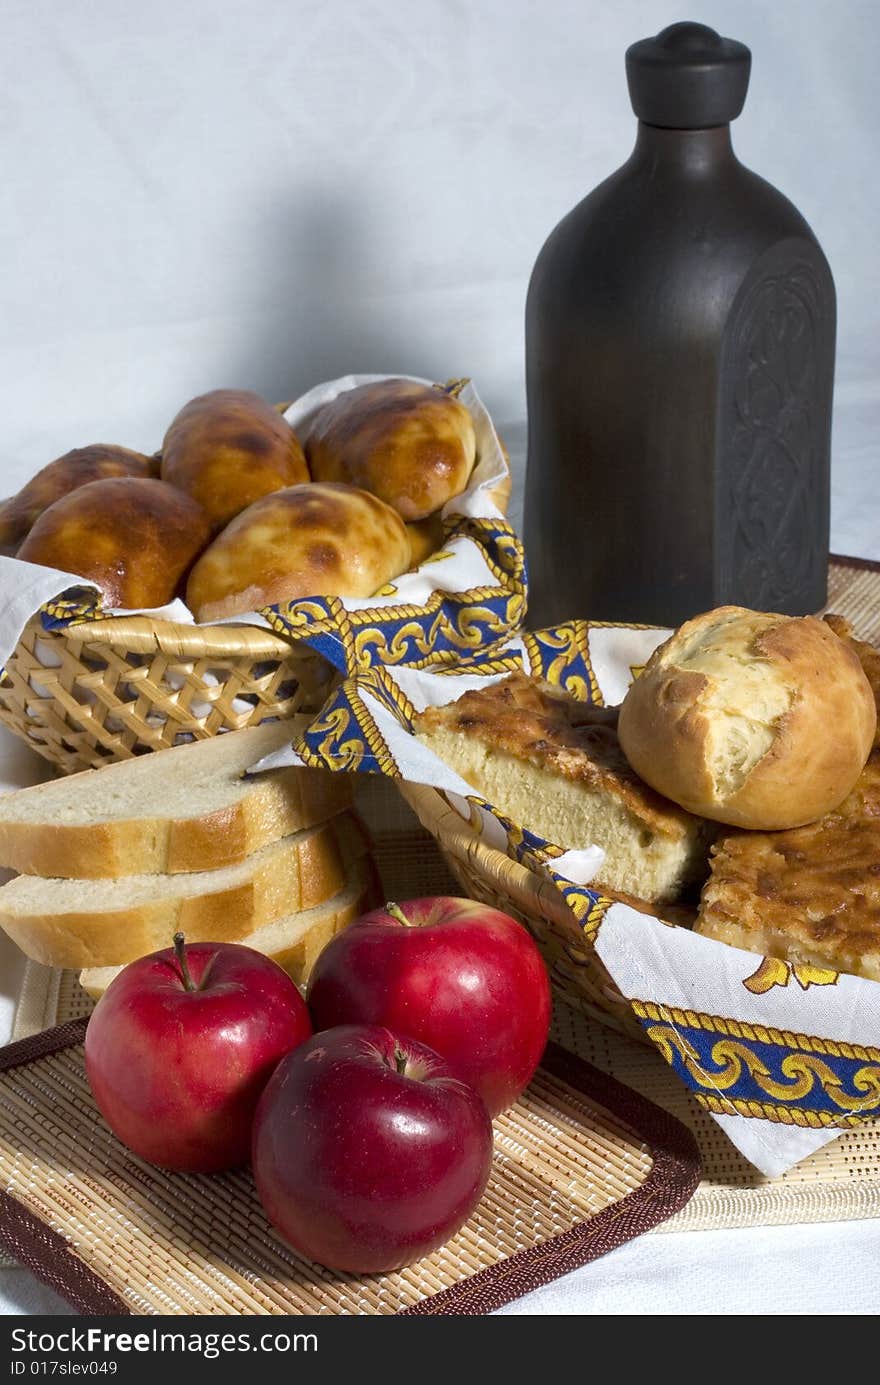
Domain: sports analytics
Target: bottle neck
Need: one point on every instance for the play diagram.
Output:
(691, 152)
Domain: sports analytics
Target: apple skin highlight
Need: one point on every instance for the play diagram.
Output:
(459, 976)
(364, 1167)
(176, 1072)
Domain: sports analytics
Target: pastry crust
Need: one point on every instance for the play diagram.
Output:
(77, 468)
(409, 444)
(810, 894)
(135, 538)
(229, 448)
(756, 720)
(313, 540)
(555, 766)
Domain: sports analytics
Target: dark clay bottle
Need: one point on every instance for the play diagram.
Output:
(680, 356)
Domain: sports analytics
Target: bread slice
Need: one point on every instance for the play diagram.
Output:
(184, 809)
(555, 766)
(809, 895)
(294, 941)
(101, 923)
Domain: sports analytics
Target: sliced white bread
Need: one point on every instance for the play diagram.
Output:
(184, 809)
(294, 941)
(102, 923)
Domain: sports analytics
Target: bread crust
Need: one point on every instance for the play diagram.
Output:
(299, 872)
(135, 538)
(411, 445)
(314, 540)
(229, 448)
(816, 747)
(279, 803)
(294, 942)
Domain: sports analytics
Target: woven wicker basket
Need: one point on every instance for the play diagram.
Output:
(111, 689)
(488, 874)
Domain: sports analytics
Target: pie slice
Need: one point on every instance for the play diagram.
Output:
(810, 895)
(554, 765)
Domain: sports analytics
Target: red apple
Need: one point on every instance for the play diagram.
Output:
(368, 1152)
(181, 1045)
(457, 975)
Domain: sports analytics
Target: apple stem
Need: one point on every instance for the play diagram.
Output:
(400, 1060)
(397, 913)
(180, 954)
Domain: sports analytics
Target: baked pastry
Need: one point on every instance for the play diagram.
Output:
(555, 766)
(135, 538)
(183, 809)
(411, 445)
(66, 474)
(425, 537)
(294, 941)
(86, 923)
(810, 895)
(227, 449)
(315, 540)
(756, 720)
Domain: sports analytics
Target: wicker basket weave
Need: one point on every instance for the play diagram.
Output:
(488, 874)
(111, 689)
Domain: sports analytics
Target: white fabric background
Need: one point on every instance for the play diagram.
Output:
(202, 192)
(205, 192)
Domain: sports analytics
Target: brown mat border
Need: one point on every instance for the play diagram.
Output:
(847, 560)
(673, 1179)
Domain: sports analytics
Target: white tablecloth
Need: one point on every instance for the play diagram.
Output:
(833, 1268)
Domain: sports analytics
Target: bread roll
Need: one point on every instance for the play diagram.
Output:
(411, 445)
(227, 449)
(760, 721)
(66, 474)
(810, 895)
(315, 540)
(135, 538)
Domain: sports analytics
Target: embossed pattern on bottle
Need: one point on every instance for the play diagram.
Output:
(772, 498)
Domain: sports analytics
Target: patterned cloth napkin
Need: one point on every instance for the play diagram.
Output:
(783, 1057)
(464, 598)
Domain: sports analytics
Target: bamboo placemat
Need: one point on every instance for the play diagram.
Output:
(839, 1182)
(581, 1165)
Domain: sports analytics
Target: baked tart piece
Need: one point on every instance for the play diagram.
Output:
(555, 766)
(810, 895)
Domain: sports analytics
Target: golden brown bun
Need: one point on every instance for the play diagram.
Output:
(757, 720)
(425, 537)
(66, 474)
(135, 538)
(229, 448)
(810, 895)
(411, 445)
(315, 540)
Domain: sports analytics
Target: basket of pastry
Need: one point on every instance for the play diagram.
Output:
(688, 825)
(147, 601)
